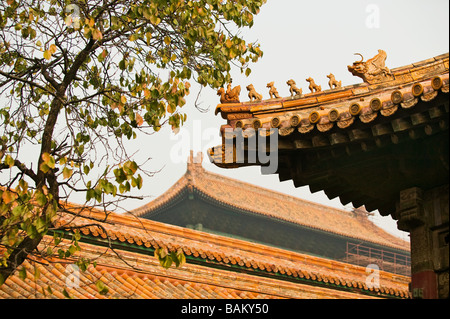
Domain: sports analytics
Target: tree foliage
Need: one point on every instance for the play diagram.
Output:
(77, 79)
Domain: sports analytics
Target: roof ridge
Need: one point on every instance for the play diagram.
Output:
(159, 201)
(275, 192)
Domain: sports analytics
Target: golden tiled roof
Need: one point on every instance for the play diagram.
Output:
(217, 267)
(120, 283)
(342, 107)
(243, 196)
(338, 140)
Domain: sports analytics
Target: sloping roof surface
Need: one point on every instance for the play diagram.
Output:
(120, 283)
(217, 267)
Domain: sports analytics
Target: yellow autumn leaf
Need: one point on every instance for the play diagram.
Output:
(46, 157)
(97, 34)
(155, 20)
(167, 40)
(8, 196)
(139, 119)
(123, 99)
(44, 168)
(47, 55)
(133, 37)
(48, 160)
(67, 172)
(9, 161)
(200, 11)
(147, 13)
(171, 108)
(52, 48)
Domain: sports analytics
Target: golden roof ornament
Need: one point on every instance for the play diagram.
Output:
(252, 94)
(333, 83)
(272, 90)
(231, 95)
(295, 91)
(373, 70)
(313, 86)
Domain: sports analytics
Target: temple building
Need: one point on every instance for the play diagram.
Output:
(381, 144)
(220, 205)
(239, 240)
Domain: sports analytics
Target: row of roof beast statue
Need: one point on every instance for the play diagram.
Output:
(232, 95)
(370, 71)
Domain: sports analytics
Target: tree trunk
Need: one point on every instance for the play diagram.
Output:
(28, 245)
(19, 255)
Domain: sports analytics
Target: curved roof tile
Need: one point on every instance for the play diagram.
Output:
(253, 257)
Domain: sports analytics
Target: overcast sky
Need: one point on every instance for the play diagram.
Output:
(302, 39)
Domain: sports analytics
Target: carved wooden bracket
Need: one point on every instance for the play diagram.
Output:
(410, 212)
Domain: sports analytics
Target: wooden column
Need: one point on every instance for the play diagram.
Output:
(424, 214)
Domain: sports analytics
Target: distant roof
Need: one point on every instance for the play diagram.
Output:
(242, 196)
